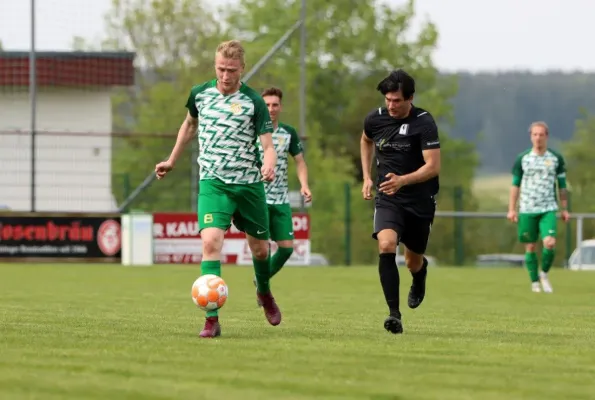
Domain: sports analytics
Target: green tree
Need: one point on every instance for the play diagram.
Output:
(174, 42)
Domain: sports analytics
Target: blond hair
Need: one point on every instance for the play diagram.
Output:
(541, 124)
(232, 49)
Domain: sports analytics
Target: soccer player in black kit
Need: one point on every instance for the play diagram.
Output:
(405, 139)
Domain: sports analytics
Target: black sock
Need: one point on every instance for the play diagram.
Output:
(389, 278)
(421, 274)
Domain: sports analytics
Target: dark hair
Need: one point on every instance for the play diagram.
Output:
(272, 91)
(398, 80)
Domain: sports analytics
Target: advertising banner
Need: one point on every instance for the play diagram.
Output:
(176, 240)
(60, 237)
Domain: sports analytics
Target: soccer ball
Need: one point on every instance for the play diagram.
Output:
(209, 292)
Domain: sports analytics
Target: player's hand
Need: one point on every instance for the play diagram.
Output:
(513, 216)
(565, 216)
(392, 184)
(268, 174)
(305, 191)
(163, 168)
(367, 189)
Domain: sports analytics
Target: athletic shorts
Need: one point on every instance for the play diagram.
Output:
(280, 222)
(412, 222)
(532, 226)
(219, 202)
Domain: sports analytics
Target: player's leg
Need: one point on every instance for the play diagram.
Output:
(387, 224)
(528, 231)
(281, 228)
(214, 218)
(415, 243)
(254, 215)
(548, 225)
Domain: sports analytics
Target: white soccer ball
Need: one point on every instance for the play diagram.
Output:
(209, 292)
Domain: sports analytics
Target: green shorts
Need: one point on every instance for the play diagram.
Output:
(218, 202)
(281, 222)
(533, 226)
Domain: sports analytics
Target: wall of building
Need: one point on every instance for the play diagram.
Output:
(73, 156)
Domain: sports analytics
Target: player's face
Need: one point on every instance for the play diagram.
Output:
(228, 71)
(539, 137)
(274, 105)
(396, 104)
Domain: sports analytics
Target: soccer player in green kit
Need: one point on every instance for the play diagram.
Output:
(286, 142)
(230, 118)
(534, 177)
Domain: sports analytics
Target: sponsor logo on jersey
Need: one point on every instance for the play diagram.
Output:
(235, 108)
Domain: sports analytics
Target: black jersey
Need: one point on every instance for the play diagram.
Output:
(399, 144)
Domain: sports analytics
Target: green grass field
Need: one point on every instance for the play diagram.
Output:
(111, 332)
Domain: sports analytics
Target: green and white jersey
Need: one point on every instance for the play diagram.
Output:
(536, 175)
(228, 130)
(286, 141)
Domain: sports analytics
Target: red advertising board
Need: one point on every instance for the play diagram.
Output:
(176, 240)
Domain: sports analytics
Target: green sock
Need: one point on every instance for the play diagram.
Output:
(262, 272)
(279, 259)
(211, 267)
(532, 266)
(547, 259)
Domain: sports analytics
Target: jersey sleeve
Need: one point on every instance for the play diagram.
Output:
(429, 137)
(517, 171)
(561, 172)
(295, 145)
(262, 118)
(368, 130)
(191, 103)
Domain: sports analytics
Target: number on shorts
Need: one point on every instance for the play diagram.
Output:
(208, 219)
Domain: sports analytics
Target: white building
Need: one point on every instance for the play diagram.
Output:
(73, 130)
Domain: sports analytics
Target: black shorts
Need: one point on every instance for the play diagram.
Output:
(412, 222)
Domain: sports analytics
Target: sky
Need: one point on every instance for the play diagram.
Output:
(475, 35)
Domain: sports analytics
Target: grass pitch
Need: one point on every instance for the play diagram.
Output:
(111, 332)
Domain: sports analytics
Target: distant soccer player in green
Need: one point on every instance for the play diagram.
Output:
(230, 118)
(286, 142)
(534, 176)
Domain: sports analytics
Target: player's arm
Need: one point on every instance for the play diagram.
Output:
(366, 145)
(517, 177)
(562, 187)
(269, 153)
(185, 134)
(430, 145)
(297, 152)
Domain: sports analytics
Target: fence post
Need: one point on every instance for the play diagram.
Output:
(568, 233)
(347, 224)
(458, 228)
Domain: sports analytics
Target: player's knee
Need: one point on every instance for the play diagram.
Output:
(530, 247)
(212, 241)
(260, 252)
(387, 246)
(413, 261)
(549, 242)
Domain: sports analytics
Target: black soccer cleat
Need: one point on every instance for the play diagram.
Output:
(418, 288)
(393, 323)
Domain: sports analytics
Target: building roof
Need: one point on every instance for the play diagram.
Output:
(68, 69)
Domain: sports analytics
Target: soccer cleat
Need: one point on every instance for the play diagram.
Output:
(545, 282)
(535, 287)
(393, 323)
(418, 289)
(271, 310)
(258, 301)
(212, 328)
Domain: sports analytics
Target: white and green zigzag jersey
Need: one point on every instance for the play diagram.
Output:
(286, 141)
(228, 130)
(536, 175)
